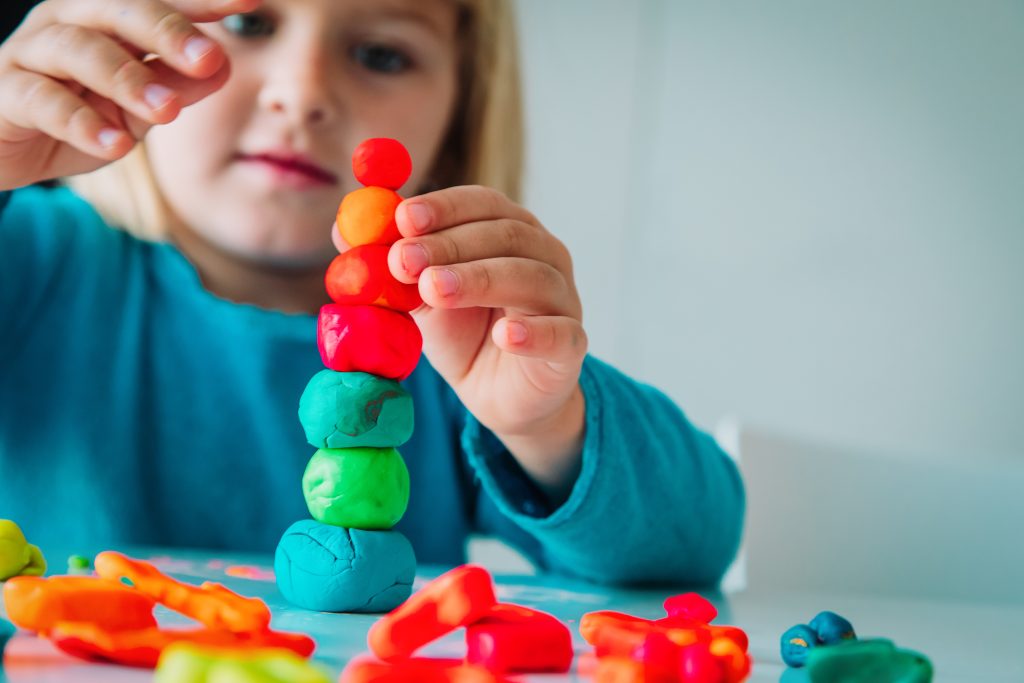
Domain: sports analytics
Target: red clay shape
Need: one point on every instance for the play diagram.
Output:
(369, 339)
(454, 599)
(382, 162)
(514, 638)
(361, 276)
(142, 647)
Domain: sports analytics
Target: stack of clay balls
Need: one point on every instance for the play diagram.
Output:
(348, 558)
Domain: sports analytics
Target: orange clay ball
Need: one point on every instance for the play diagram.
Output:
(367, 216)
(381, 162)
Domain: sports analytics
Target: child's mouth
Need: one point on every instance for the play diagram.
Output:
(291, 169)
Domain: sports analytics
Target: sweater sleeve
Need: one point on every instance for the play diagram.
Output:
(656, 499)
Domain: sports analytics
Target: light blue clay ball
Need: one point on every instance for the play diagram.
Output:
(333, 569)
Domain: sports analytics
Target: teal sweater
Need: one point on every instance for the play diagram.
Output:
(138, 408)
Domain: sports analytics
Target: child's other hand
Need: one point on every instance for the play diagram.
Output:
(82, 80)
(502, 320)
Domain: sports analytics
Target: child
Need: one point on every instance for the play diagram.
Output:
(150, 386)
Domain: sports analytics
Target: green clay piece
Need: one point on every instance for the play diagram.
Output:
(355, 409)
(79, 564)
(357, 488)
(867, 661)
(268, 669)
(185, 663)
(18, 557)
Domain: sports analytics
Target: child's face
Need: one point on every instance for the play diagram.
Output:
(259, 167)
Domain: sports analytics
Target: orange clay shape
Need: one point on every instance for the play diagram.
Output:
(38, 604)
(210, 604)
(367, 216)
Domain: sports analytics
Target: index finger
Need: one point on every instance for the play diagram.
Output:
(453, 206)
(202, 11)
(161, 27)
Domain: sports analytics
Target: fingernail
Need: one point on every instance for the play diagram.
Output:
(109, 137)
(446, 282)
(157, 96)
(414, 258)
(419, 215)
(515, 331)
(197, 47)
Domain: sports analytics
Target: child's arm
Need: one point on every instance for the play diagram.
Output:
(502, 324)
(656, 501)
(77, 90)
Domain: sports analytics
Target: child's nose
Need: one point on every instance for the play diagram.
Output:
(301, 94)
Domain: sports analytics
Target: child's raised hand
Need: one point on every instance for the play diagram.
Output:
(503, 320)
(82, 80)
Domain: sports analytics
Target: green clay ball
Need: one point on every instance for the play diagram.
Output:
(286, 667)
(357, 488)
(18, 557)
(78, 563)
(186, 663)
(355, 409)
(867, 661)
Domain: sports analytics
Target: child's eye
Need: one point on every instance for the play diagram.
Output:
(377, 57)
(250, 25)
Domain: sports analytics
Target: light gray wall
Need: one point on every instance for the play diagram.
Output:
(808, 214)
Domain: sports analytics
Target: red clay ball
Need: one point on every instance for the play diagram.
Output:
(361, 276)
(369, 339)
(382, 162)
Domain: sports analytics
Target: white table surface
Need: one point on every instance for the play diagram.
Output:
(965, 641)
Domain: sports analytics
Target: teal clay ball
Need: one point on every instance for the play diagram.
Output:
(867, 661)
(332, 569)
(355, 409)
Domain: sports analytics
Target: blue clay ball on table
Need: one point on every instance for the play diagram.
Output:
(796, 643)
(334, 569)
(832, 628)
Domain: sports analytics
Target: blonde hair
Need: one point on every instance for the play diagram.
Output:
(484, 144)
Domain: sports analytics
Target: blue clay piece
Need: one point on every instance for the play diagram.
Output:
(796, 643)
(333, 569)
(6, 633)
(832, 628)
